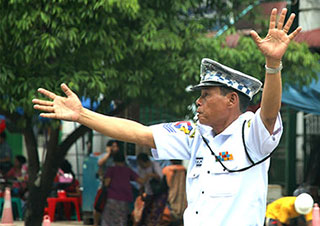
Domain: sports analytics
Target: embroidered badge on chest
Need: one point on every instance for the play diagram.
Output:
(225, 156)
(199, 161)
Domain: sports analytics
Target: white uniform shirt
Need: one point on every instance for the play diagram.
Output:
(216, 197)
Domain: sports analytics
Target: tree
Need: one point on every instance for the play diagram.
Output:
(129, 50)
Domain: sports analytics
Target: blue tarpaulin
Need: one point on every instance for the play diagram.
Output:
(306, 98)
(88, 103)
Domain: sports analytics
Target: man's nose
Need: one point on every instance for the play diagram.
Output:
(198, 102)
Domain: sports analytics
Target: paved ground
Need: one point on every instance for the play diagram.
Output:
(56, 223)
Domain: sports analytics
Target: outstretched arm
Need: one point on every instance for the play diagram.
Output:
(273, 47)
(69, 108)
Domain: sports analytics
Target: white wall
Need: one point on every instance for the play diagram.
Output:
(309, 15)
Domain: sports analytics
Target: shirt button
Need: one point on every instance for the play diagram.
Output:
(196, 212)
(208, 171)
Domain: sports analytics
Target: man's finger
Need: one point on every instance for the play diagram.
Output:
(273, 18)
(282, 18)
(42, 102)
(43, 108)
(289, 23)
(47, 93)
(256, 38)
(294, 33)
(66, 90)
(48, 115)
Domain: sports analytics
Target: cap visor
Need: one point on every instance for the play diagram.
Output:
(205, 85)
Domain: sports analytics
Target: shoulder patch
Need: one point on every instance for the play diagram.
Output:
(184, 126)
(169, 127)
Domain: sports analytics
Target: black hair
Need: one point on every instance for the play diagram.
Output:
(110, 142)
(244, 100)
(301, 189)
(66, 167)
(119, 156)
(143, 157)
(21, 159)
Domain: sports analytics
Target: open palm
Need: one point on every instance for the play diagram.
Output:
(275, 44)
(64, 108)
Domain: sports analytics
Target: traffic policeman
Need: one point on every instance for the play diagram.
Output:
(221, 188)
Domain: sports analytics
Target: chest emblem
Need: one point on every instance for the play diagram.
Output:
(225, 156)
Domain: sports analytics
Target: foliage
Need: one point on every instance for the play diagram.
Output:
(126, 50)
(46, 43)
(146, 51)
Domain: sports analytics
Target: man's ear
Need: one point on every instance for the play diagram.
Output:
(233, 98)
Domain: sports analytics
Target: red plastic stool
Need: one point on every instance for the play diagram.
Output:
(67, 206)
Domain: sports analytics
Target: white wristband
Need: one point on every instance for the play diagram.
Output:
(273, 70)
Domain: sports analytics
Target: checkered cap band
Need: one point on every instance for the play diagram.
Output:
(212, 73)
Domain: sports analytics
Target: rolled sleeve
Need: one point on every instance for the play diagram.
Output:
(259, 140)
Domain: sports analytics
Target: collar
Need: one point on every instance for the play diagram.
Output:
(236, 123)
(207, 131)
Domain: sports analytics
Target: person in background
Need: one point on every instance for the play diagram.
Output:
(66, 182)
(5, 154)
(19, 177)
(153, 204)
(73, 188)
(119, 192)
(282, 210)
(106, 159)
(104, 162)
(177, 199)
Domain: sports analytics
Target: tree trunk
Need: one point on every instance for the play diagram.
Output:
(41, 177)
(42, 181)
(35, 198)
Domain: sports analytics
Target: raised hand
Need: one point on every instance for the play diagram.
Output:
(64, 108)
(108, 150)
(275, 44)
